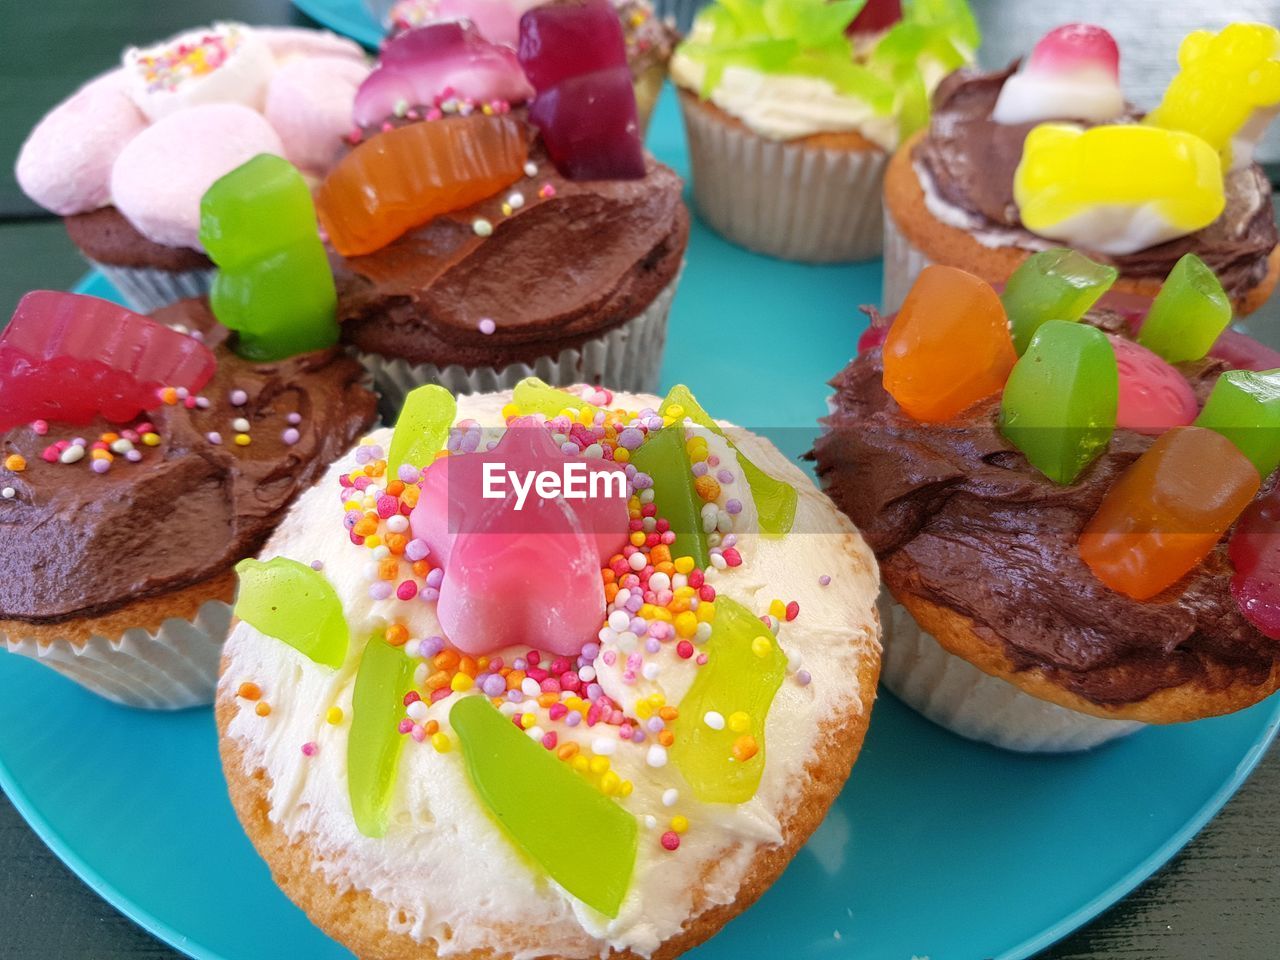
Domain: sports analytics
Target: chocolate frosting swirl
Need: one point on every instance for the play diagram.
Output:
(957, 516)
(80, 544)
(969, 161)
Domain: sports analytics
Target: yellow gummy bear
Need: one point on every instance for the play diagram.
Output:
(1226, 90)
(1116, 188)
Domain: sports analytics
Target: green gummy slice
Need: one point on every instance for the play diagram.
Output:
(422, 428)
(532, 395)
(662, 456)
(1245, 408)
(775, 499)
(536, 798)
(735, 679)
(1059, 404)
(1056, 284)
(288, 600)
(1188, 314)
(374, 743)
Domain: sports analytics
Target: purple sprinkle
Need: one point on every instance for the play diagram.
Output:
(351, 518)
(291, 436)
(487, 326)
(824, 580)
(133, 456)
(430, 647)
(724, 476)
(362, 455)
(700, 469)
(638, 625)
(79, 442)
(239, 398)
(570, 449)
(515, 696)
(101, 466)
(494, 685)
(734, 507)
(594, 690)
(375, 452)
(573, 718)
(407, 473)
(655, 725)
(429, 595)
(803, 677)
(590, 651)
(435, 577)
(652, 645)
(202, 403)
(637, 735)
(630, 438)
(293, 419)
(416, 549)
(317, 564)
(519, 663)
(380, 590)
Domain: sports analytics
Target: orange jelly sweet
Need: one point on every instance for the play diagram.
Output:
(401, 178)
(1167, 511)
(949, 346)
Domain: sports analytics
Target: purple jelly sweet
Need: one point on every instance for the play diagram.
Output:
(442, 60)
(70, 358)
(1154, 397)
(575, 57)
(1255, 553)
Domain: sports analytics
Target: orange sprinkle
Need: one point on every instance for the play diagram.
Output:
(395, 488)
(514, 679)
(397, 635)
(431, 727)
(377, 468)
(396, 542)
(567, 751)
(421, 568)
(745, 747)
(467, 665)
(411, 494)
(262, 709)
(547, 699)
(668, 713)
(388, 569)
(446, 660)
(15, 462)
(249, 691)
(365, 527)
(666, 738)
(437, 680)
(660, 554)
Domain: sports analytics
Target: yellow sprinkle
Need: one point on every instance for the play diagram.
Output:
(352, 505)
(684, 564)
(242, 440)
(739, 722)
(675, 411)
(625, 789)
(621, 455)
(706, 612)
(686, 624)
(657, 700)
(333, 716)
(679, 824)
(151, 439)
(373, 541)
(777, 609)
(599, 765)
(643, 710)
(761, 646)
(509, 411)
(461, 682)
(441, 742)
(526, 720)
(610, 783)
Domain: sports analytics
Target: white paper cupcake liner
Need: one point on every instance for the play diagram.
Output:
(627, 358)
(147, 289)
(172, 668)
(902, 264)
(955, 694)
(784, 199)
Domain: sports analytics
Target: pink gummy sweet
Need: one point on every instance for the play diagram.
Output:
(70, 358)
(420, 66)
(161, 174)
(1154, 397)
(286, 43)
(65, 163)
(562, 41)
(517, 577)
(1074, 47)
(1255, 553)
(1243, 352)
(497, 20)
(309, 101)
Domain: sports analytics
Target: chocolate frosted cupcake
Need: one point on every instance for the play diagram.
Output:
(126, 158)
(537, 240)
(1073, 544)
(1049, 152)
(142, 459)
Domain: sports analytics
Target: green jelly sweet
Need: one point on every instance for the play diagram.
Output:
(663, 457)
(1188, 314)
(1059, 404)
(1245, 408)
(288, 600)
(744, 669)
(274, 287)
(1056, 284)
(582, 839)
(374, 743)
(532, 395)
(422, 427)
(775, 499)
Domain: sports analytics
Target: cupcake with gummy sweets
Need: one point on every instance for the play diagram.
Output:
(1075, 521)
(793, 108)
(144, 456)
(654, 672)
(126, 158)
(498, 216)
(1049, 152)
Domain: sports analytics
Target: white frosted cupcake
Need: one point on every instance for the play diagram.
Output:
(498, 733)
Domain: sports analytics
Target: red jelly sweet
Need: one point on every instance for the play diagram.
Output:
(71, 358)
(1154, 397)
(876, 16)
(1255, 553)
(585, 108)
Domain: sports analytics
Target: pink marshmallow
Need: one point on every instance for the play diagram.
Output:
(309, 103)
(1076, 46)
(289, 42)
(65, 163)
(161, 174)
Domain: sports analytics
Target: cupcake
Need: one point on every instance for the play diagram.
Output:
(127, 157)
(1048, 152)
(1075, 524)
(791, 120)
(504, 682)
(649, 39)
(498, 217)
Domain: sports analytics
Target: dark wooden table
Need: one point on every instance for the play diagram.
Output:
(1218, 900)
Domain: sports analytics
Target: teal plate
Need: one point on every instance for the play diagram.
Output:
(938, 847)
(349, 17)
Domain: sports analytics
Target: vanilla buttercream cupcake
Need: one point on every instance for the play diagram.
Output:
(788, 150)
(608, 736)
(126, 158)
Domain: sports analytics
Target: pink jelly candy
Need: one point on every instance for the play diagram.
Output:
(1255, 553)
(1154, 397)
(585, 108)
(519, 570)
(876, 17)
(1243, 352)
(70, 358)
(419, 67)
(1076, 46)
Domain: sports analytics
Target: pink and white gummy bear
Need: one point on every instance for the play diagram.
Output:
(1073, 73)
(528, 576)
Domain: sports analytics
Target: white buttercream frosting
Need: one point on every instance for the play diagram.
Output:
(444, 871)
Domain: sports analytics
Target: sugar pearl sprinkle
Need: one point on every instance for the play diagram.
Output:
(659, 611)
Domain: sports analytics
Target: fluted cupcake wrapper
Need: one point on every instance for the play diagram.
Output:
(955, 694)
(782, 198)
(146, 288)
(627, 358)
(171, 668)
(902, 264)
